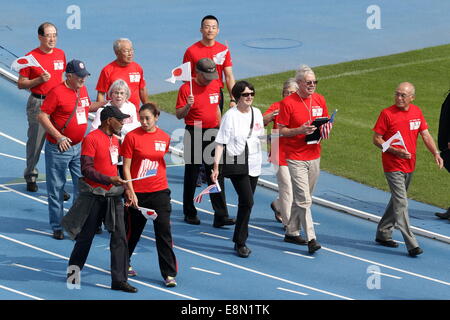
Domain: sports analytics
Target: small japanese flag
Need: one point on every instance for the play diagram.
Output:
(149, 214)
(181, 73)
(23, 62)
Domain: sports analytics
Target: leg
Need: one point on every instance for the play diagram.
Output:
(284, 193)
(118, 245)
(75, 168)
(136, 225)
(243, 187)
(191, 169)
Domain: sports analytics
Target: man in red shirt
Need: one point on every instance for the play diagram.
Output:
(40, 82)
(297, 112)
(208, 47)
(202, 118)
(100, 199)
(64, 115)
(126, 69)
(399, 162)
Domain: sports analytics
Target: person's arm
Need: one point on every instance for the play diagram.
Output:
(183, 111)
(431, 146)
(131, 198)
(217, 156)
(269, 117)
(378, 141)
(101, 96)
(96, 105)
(306, 129)
(88, 170)
(25, 83)
(230, 81)
(64, 143)
(143, 95)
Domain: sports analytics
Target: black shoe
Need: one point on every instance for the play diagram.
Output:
(313, 246)
(415, 251)
(66, 196)
(58, 234)
(192, 220)
(123, 286)
(276, 212)
(242, 250)
(99, 230)
(387, 243)
(32, 187)
(445, 215)
(223, 222)
(295, 239)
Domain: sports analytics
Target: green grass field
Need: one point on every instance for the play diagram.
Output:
(360, 90)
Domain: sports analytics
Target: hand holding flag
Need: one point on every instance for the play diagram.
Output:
(395, 140)
(182, 73)
(214, 188)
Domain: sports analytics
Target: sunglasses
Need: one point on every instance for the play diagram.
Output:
(308, 83)
(247, 94)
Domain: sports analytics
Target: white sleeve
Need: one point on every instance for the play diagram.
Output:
(96, 123)
(224, 134)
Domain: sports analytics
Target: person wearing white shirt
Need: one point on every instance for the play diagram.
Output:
(240, 130)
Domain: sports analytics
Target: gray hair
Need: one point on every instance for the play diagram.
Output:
(119, 84)
(291, 82)
(302, 71)
(116, 44)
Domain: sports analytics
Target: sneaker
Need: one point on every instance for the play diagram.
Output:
(58, 234)
(123, 286)
(295, 239)
(415, 251)
(313, 246)
(170, 282)
(192, 219)
(131, 272)
(387, 243)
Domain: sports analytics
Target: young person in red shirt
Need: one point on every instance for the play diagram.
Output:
(201, 115)
(64, 115)
(126, 69)
(100, 199)
(40, 82)
(144, 149)
(297, 112)
(399, 162)
(208, 47)
(282, 205)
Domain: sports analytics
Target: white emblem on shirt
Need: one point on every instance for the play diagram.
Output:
(135, 77)
(414, 124)
(58, 65)
(214, 98)
(160, 146)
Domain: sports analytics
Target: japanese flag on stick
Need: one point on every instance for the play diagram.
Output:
(395, 140)
(214, 188)
(149, 214)
(181, 73)
(26, 61)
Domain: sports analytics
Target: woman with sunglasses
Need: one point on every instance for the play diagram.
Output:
(238, 138)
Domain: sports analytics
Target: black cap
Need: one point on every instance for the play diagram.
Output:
(208, 68)
(112, 112)
(77, 67)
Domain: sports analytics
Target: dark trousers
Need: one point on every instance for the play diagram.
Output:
(160, 202)
(245, 186)
(194, 156)
(118, 242)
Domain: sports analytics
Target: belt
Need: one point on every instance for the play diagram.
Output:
(39, 96)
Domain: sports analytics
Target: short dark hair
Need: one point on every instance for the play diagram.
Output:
(41, 29)
(209, 17)
(152, 107)
(239, 87)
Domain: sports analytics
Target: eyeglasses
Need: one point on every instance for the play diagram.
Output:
(127, 51)
(402, 95)
(311, 82)
(247, 94)
(49, 35)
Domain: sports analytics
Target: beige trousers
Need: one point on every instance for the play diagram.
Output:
(283, 203)
(304, 176)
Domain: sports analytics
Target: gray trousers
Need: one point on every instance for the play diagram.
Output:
(396, 214)
(36, 138)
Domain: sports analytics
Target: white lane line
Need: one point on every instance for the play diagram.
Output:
(214, 235)
(386, 275)
(340, 252)
(298, 254)
(102, 286)
(26, 195)
(207, 271)
(1, 191)
(15, 140)
(93, 267)
(255, 271)
(39, 231)
(11, 156)
(293, 291)
(21, 293)
(25, 267)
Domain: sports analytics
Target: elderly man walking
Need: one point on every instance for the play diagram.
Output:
(399, 162)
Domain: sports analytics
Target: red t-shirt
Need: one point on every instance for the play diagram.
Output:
(59, 104)
(98, 145)
(54, 63)
(294, 112)
(409, 123)
(140, 145)
(206, 103)
(277, 152)
(132, 74)
(199, 51)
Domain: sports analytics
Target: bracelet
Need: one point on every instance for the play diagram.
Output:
(62, 139)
